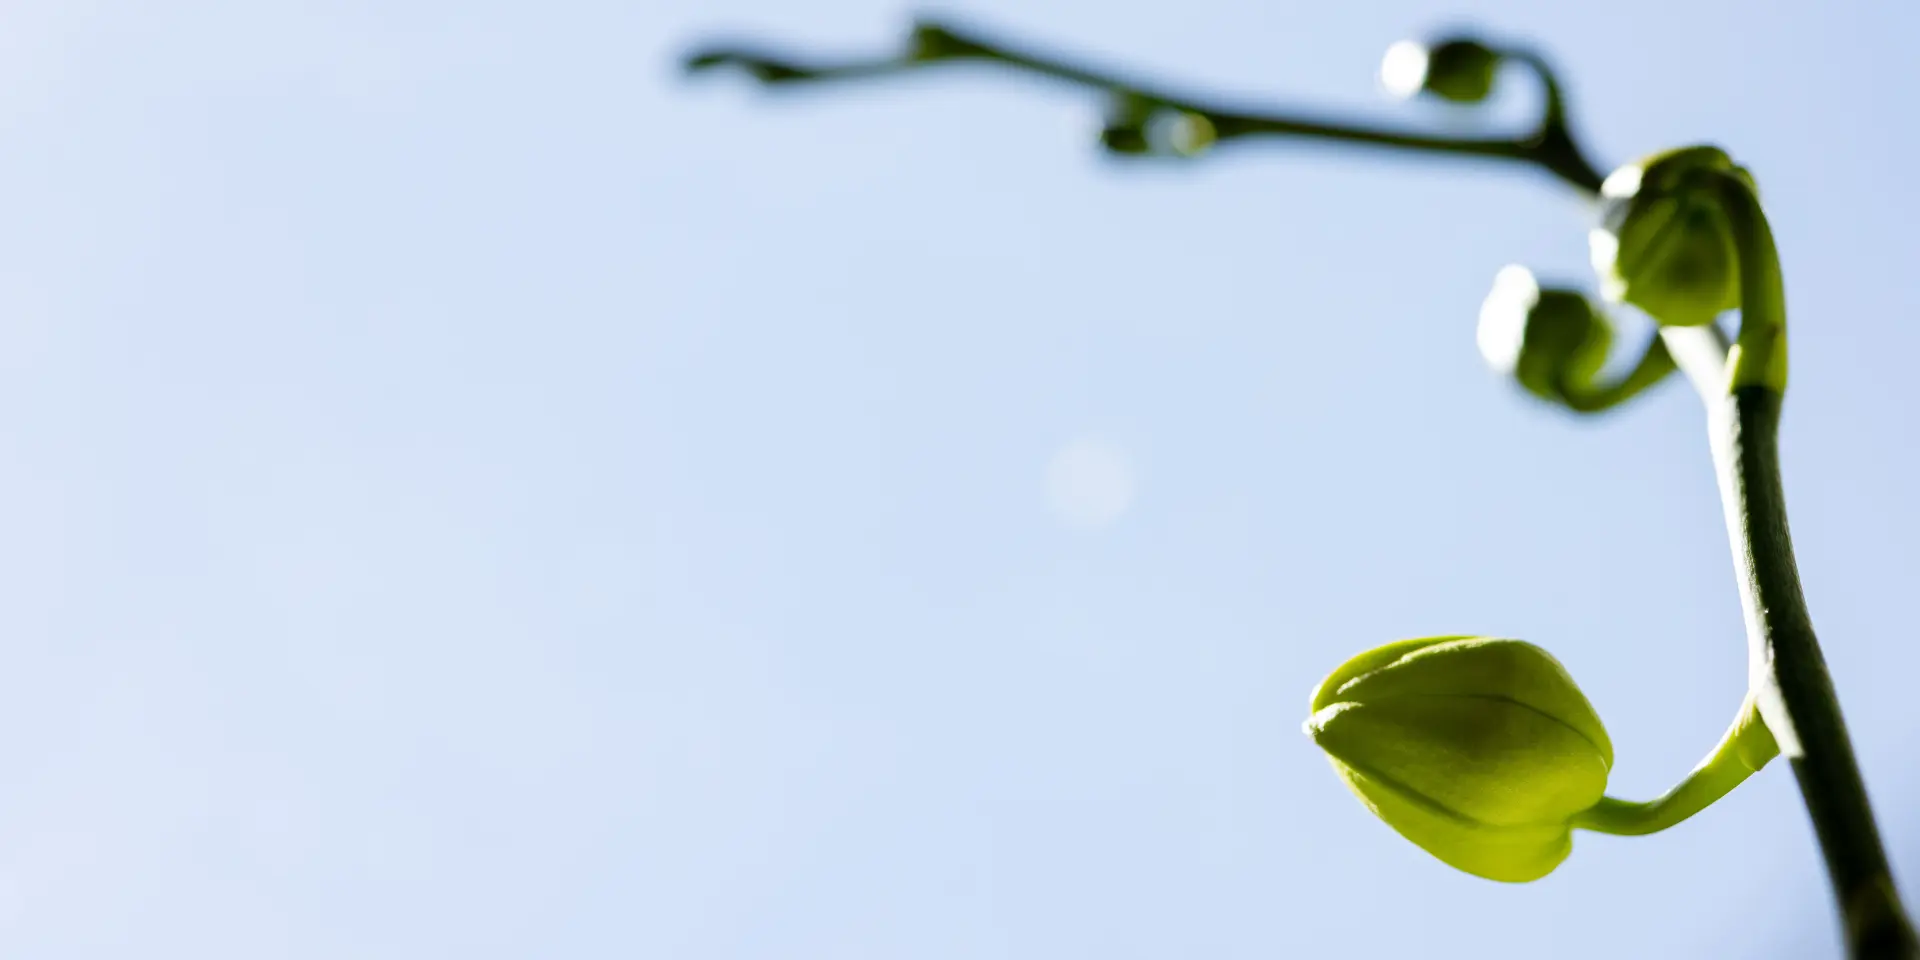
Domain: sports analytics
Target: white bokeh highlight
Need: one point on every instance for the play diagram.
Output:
(1403, 71)
(1503, 317)
(1090, 483)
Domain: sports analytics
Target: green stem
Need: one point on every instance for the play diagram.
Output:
(1759, 357)
(1655, 363)
(1788, 676)
(1790, 680)
(1550, 146)
(1747, 746)
(1743, 388)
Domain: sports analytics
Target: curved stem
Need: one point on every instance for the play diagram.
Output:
(1790, 680)
(1747, 747)
(1550, 146)
(1655, 363)
(1788, 676)
(1759, 357)
(1743, 388)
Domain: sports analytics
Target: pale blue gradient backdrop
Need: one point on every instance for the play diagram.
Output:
(467, 492)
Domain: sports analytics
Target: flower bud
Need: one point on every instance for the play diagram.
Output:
(1459, 69)
(1126, 130)
(1129, 139)
(1479, 750)
(1664, 243)
(1552, 341)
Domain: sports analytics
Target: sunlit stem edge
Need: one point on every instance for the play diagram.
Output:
(1743, 389)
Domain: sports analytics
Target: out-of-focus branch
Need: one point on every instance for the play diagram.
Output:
(1146, 120)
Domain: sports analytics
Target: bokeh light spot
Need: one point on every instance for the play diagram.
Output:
(1090, 483)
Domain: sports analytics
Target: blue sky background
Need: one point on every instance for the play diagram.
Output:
(469, 492)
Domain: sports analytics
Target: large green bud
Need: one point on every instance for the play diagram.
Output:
(1664, 243)
(1479, 750)
(1550, 340)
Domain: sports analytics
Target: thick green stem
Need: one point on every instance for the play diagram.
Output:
(1789, 676)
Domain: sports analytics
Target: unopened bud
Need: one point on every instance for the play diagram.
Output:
(1664, 243)
(1551, 341)
(1479, 750)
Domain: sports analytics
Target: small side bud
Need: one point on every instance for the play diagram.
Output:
(1127, 139)
(1664, 243)
(1127, 128)
(1457, 69)
(1551, 341)
(1479, 750)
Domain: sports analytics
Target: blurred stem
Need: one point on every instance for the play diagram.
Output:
(1550, 146)
(1655, 363)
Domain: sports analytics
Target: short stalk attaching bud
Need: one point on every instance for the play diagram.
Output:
(1484, 753)
(1747, 746)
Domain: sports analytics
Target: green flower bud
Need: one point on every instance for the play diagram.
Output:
(1458, 69)
(1129, 139)
(1479, 750)
(1664, 243)
(1126, 130)
(1159, 132)
(1136, 125)
(1552, 341)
